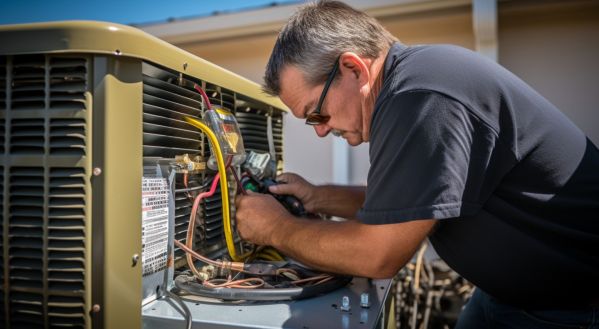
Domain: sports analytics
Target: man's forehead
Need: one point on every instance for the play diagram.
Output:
(294, 90)
(292, 78)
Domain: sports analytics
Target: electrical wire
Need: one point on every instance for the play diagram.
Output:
(239, 186)
(247, 283)
(419, 260)
(252, 283)
(192, 221)
(204, 96)
(235, 266)
(190, 189)
(187, 284)
(224, 190)
(310, 279)
(241, 284)
(270, 253)
(186, 312)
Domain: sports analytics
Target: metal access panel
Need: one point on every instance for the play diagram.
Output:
(318, 312)
(83, 107)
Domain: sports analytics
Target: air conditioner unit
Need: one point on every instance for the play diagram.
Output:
(88, 112)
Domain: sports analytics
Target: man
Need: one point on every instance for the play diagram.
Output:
(461, 152)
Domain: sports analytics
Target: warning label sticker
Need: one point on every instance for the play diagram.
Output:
(154, 229)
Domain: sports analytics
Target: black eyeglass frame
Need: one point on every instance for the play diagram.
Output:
(314, 118)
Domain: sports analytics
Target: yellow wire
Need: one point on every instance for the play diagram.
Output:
(267, 257)
(272, 254)
(224, 190)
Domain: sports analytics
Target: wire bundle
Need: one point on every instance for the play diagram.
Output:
(429, 294)
(233, 279)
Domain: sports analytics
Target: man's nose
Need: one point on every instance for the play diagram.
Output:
(322, 130)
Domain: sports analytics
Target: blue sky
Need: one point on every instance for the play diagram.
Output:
(123, 11)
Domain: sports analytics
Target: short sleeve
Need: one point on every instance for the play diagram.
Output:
(430, 158)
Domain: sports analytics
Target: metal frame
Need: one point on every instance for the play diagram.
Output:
(116, 289)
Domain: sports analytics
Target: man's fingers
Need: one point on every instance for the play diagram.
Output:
(286, 177)
(282, 189)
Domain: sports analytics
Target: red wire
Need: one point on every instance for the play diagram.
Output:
(239, 186)
(192, 220)
(206, 194)
(204, 96)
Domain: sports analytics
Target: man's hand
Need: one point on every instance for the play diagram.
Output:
(334, 200)
(259, 216)
(293, 184)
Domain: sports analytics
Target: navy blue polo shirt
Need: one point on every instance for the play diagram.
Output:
(513, 183)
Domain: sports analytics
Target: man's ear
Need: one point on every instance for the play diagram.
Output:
(354, 65)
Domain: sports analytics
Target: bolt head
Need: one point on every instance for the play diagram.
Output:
(96, 308)
(345, 306)
(365, 300)
(134, 259)
(97, 171)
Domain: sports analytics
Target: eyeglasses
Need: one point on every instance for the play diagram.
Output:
(315, 118)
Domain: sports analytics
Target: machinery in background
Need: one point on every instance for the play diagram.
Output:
(428, 294)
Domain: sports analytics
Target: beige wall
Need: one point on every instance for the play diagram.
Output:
(453, 26)
(555, 49)
(553, 45)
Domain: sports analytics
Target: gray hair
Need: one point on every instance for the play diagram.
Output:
(317, 34)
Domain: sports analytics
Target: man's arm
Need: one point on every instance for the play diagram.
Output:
(334, 200)
(375, 251)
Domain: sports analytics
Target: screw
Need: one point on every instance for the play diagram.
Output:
(365, 300)
(345, 307)
(97, 171)
(96, 308)
(184, 66)
(134, 260)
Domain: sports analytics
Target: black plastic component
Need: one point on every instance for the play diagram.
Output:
(260, 268)
(293, 204)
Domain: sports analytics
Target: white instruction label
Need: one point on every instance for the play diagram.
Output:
(154, 228)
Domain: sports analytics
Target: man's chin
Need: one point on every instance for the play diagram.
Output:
(350, 138)
(353, 141)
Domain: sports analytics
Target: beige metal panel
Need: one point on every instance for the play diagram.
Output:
(51, 91)
(116, 191)
(554, 47)
(124, 41)
(45, 127)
